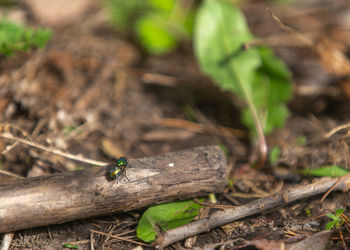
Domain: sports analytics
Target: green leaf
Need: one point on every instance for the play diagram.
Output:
(225, 149)
(220, 31)
(332, 216)
(157, 24)
(330, 225)
(276, 118)
(124, 13)
(68, 129)
(189, 112)
(272, 89)
(40, 37)
(70, 246)
(274, 66)
(339, 211)
(165, 216)
(308, 212)
(274, 154)
(255, 75)
(153, 35)
(164, 5)
(331, 171)
(14, 37)
(301, 140)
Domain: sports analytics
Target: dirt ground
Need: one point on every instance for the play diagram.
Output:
(93, 91)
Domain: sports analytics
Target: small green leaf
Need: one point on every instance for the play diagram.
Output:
(276, 118)
(331, 171)
(14, 37)
(231, 182)
(124, 13)
(272, 88)
(68, 129)
(308, 212)
(40, 37)
(157, 24)
(189, 112)
(332, 216)
(153, 35)
(225, 149)
(337, 220)
(70, 246)
(274, 66)
(301, 140)
(164, 5)
(165, 216)
(330, 225)
(274, 154)
(339, 211)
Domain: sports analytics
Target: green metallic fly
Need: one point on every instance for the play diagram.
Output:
(117, 169)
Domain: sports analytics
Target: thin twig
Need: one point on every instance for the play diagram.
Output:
(231, 199)
(332, 187)
(121, 238)
(284, 27)
(4, 172)
(92, 240)
(212, 205)
(258, 206)
(342, 240)
(201, 128)
(336, 129)
(53, 151)
(49, 232)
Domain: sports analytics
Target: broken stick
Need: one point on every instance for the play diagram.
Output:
(265, 204)
(58, 198)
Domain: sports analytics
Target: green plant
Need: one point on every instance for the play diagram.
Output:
(68, 245)
(14, 37)
(164, 217)
(337, 220)
(274, 155)
(308, 212)
(301, 141)
(255, 75)
(158, 25)
(330, 171)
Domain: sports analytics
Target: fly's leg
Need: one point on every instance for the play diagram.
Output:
(124, 174)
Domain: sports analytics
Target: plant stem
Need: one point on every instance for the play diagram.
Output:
(248, 98)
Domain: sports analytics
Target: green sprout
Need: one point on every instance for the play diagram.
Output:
(337, 220)
(15, 37)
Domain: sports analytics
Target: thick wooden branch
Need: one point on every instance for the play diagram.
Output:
(59, 198)
(265, 204)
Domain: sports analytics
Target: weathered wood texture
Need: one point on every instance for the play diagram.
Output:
(59, 198)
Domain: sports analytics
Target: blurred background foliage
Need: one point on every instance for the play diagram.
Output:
(157, 25)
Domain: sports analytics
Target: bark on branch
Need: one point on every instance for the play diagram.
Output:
(59, 198)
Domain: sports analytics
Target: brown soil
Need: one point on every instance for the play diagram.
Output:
(93, 92)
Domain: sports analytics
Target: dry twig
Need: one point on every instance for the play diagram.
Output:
(121, 238)
(261, 205)
(53, 151)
